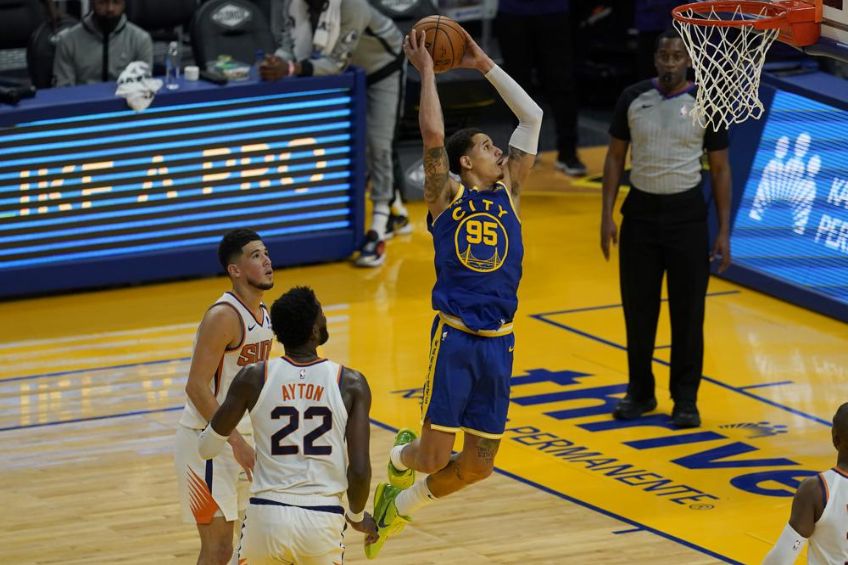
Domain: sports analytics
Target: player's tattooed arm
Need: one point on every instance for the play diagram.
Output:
(436, 174)
(438, 186)
(519, 164)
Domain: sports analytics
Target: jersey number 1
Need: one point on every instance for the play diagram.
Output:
(309, 448)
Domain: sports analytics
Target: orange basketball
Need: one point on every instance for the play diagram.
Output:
(444, 40)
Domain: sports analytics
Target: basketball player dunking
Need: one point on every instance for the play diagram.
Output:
(820, 510)
(477, 238)
(234, 332)
(310, 422)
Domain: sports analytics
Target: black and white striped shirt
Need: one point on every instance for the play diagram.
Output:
(666, 146)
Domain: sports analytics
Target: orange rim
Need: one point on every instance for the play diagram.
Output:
(768, 16)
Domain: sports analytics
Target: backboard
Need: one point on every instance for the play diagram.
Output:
(834, 30)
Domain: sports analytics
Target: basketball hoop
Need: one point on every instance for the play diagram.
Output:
(727, 41)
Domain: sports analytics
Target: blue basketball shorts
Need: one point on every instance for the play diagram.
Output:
(468, 380)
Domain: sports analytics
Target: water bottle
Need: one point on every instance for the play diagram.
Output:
(172, 66)
(257, 62)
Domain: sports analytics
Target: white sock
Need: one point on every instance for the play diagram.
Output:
(380, 218)
(414, 498)
(396, 459)
(398, 208)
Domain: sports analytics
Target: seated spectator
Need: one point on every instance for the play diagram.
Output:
(101, 46)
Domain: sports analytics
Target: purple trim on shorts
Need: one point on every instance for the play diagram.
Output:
(209, 475)
(265, 502)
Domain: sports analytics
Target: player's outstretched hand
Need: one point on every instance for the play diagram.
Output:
(368, 527)
(416, 52)
(474, 57)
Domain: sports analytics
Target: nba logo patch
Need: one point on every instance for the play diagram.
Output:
(684, 111)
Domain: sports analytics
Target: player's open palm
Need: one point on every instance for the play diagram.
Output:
(244, 456)
(416, 52)
(609, 234)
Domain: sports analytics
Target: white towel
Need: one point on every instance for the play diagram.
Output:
(137, 86)
(324, 38)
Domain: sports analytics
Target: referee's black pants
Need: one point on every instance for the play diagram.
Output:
(664, 234)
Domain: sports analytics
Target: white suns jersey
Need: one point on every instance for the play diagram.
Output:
(256, 342)
(299, 427)
(829, 542)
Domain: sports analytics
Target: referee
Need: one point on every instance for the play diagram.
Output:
(664, 227)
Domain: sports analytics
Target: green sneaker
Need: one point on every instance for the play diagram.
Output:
(402, 479)
(389, 522)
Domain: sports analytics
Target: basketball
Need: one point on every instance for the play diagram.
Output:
(444, 40)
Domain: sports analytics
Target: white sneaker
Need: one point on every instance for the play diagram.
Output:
(373, 251)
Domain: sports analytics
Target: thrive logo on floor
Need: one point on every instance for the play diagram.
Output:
(692, 484)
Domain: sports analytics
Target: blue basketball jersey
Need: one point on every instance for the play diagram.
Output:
(478, 258)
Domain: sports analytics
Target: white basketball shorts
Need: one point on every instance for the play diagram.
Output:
(208, 488)
(274, 534)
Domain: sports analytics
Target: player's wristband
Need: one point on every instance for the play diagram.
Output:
(355, 518)
(291, 68)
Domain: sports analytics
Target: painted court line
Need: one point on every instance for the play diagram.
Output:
(92, 369)
(636, 525)
(611, 306)
(630, 531)
(763, 385)
(90, 419)
(738, 390)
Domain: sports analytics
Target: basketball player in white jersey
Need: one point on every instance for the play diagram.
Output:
(820, 510)
(235, 332)
(310, 423)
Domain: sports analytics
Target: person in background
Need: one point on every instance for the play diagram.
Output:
(664, 231)
(322, 37)
(650, 18)
(537, 36)
(819, 510)
(100, 47)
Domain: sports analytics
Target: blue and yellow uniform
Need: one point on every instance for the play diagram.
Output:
(478, 268)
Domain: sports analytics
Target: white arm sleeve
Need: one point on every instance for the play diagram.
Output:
(526, 135)
(211, 443)
(786, 549)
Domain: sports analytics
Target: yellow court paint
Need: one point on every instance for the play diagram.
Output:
(774, 374)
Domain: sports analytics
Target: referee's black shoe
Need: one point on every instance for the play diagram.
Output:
(630, 409)
(685, 414)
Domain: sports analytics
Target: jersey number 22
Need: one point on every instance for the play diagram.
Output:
(309, 447)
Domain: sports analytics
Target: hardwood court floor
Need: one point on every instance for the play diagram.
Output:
(91, 387)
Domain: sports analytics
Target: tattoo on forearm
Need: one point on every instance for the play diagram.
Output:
(488, 448)
(436, 173)
(515, 155)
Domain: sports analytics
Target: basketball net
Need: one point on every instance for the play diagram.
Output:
(728, 62)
